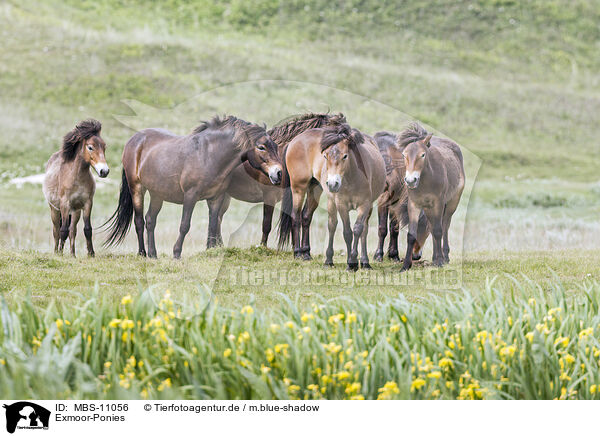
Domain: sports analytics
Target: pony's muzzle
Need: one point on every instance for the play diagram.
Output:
(334, 183)
(275, 174)
(102, 169)
(412, 179)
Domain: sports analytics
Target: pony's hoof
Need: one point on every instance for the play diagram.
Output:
(365, 265)
(352, 267)
(416, 256)
(306, 256)
(92, 254)
(394, 258)
(328, 264)
(438, 263)
(378, 256)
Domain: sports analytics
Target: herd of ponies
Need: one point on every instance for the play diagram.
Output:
(416, 178)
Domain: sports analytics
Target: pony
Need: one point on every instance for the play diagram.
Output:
(252, 186)
(185, 170)
(394, 194)
(435, 178)
(345, 163)
(69, 186)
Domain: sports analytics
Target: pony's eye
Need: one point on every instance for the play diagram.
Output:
(345, 157)
(423, 155)
(90, 148)
(261, 147)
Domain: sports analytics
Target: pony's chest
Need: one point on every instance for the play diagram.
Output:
(79, 196)
(425, 201)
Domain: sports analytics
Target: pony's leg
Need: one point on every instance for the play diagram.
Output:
(422, 235)
(382, 214)
(364, 255)
(331, 226)
(65, 218)
(312, 202)
(184, 227)
(267, 223)
(153, 210)
(345, 217)
(73, 230)
(364, 211)
(298, 193)
(393, 247)
(55, 215)
(447, 219)
(137, 195)
(435, 217)
(214, 212)
(224, 207)
(411, 238)
(87, 227)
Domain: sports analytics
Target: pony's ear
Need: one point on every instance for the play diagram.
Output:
(244, 156)
(427, 139)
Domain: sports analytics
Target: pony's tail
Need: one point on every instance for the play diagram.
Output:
(285, 219)
(403, 216)
(120, 221)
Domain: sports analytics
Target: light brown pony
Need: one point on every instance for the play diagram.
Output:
(435, 178)
(69, 185)
(252, 186)
(185, 170)
(394, 194)
(350, 168)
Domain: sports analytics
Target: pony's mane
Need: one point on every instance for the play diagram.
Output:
(73, 140)
(245, 133)
(286, 130)
(334, 134)
(414, 132)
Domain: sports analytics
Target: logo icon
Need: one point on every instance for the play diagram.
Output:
(26, 415)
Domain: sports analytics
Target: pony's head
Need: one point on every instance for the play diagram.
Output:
(86, 141)
(253, 141)
(415, 142)
(264, 156)
(336, 144)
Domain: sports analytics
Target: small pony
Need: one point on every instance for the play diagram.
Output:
(435, 178)
(69, 185)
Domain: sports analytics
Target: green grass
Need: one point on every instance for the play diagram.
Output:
(492, 345)
(514, 83)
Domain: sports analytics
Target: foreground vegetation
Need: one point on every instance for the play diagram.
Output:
(484, 346)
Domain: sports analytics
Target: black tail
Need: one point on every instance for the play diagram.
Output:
(285, 219)
(403, 218)
(120, 221)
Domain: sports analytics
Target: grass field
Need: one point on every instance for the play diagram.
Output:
(516, 84)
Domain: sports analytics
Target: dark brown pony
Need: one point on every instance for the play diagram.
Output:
(350, 168)
(69, 185)
(252, 186)
(435, 178)
(185, 170)
(394, 194)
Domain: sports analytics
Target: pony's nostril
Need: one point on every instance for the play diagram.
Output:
(278, 174)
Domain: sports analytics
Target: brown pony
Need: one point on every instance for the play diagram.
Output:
(394, 194)
(252, 186)
(69, 185)
(349, 166)
(185, 170)
(435, 178)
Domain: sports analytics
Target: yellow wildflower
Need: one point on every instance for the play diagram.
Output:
(563, 341)
(394, 328)
(126, 300)
(114, 323)
(274, 328)
(247, 310)
(227, 352)
(417, 384)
